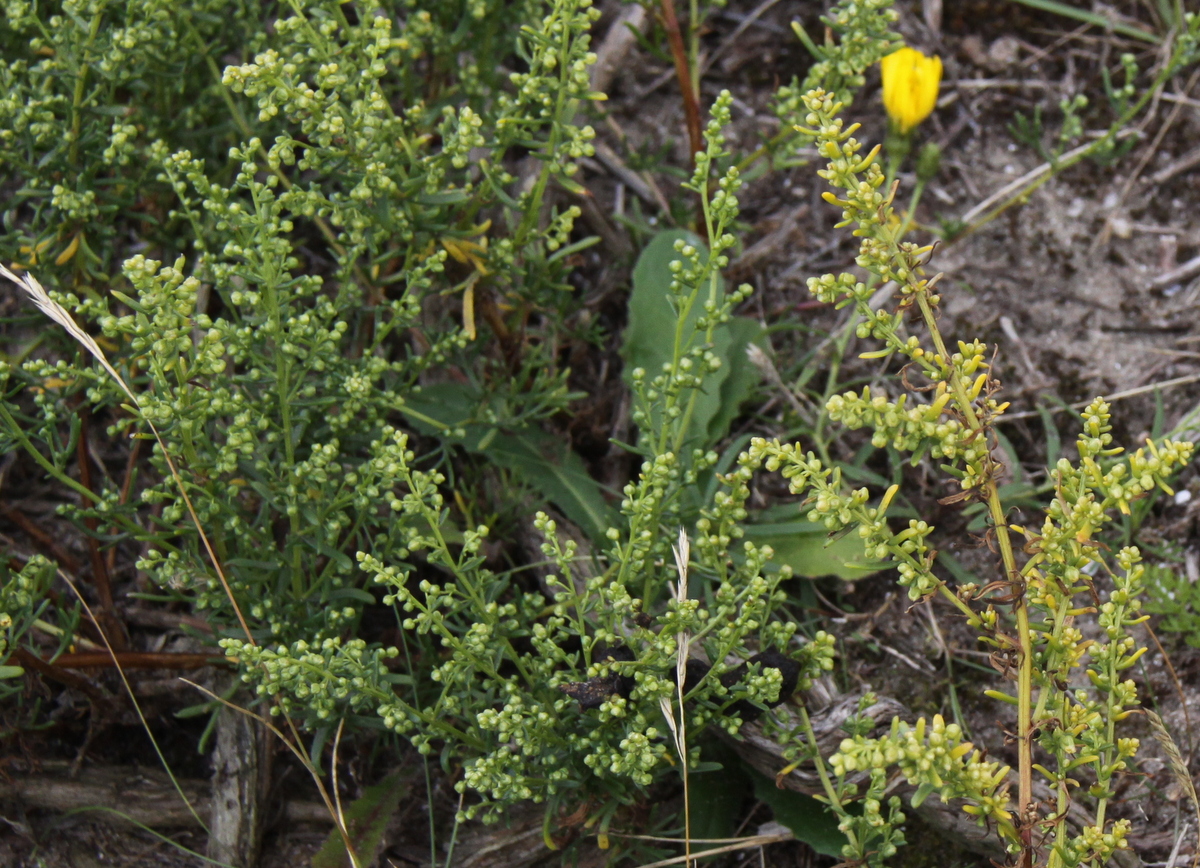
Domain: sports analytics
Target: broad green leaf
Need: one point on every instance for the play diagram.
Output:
(650, 338)
(543, 462)
(809, 820)
(806, 547)
(366, 821)
(743, 375)
(650, 334)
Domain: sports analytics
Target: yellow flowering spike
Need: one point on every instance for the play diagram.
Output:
(910, 86)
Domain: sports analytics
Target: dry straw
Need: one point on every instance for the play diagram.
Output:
(1179, 769)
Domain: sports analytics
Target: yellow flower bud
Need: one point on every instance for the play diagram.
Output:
(910, 86)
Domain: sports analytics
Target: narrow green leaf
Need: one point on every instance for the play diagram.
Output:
(716, 799)
(544, 462)
(1053, 439)
(446, 197)
(1014, 460)
(922, 793)
(366, 821)
(357, 594)
(547, 464)
(956, 568)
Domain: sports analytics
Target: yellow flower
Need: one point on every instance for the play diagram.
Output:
(910, 86)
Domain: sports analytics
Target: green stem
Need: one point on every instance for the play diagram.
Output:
(1024, 637)
(283, 389)
(81, 86)
(533, 207)
(831, 384)
(432, 520)
(835, 803)
(769, 147)
(913, 202)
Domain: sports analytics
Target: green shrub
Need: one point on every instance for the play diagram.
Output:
(337, 205)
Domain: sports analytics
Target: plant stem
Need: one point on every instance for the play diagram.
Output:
(691, 105)
(81, 86)
(991, 495)
(835, 803)
(533, 207)
(768, 147)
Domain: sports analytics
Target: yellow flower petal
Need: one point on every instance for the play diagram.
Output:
(910, 86)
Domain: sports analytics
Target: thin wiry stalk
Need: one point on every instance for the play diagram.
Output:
(337, 796)
(300, 754)
(129, 689)
(746, 844)
(1179, 769)
(682, 557)
(454, 832)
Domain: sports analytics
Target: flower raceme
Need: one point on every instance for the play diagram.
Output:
(910, 86)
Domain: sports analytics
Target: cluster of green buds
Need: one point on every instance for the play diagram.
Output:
(828, 504)
(864, 37)
(935, 758)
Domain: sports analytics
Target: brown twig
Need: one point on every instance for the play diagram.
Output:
(141, 795)
(101, 579)
(166, 620)
(691, 104)
(135, 452)
(137, 660)
(41, 538)
(99, 569)
(85, 686)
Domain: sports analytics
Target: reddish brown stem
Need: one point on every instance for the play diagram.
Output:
(41, 538)
(691, 105)
(99, 568)
(86, 686)
(165, 620)
(130, 466)
(109, 622)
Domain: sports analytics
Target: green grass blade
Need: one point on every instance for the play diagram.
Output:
(1093, 18)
